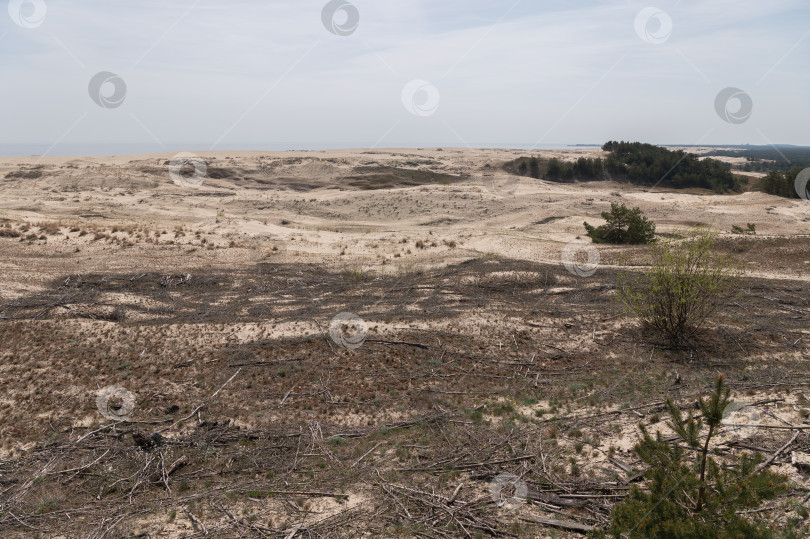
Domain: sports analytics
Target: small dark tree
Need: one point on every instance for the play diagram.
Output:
(624, 226)
(523, 168)
(534, 167)
(554, 168)
(694, 497)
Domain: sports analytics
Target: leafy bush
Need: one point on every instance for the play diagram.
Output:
(685, 286)
(624, 226)
(694, 497)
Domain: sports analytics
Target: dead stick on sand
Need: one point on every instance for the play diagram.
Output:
(79, 469)
(417, 345)
(778, 452)
(455, 493)
(558, 523)
(365, 455)
(197, 409)
(195, 521)
(324, 336)
(309, 493)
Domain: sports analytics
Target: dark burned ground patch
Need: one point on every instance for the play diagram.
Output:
(786, 252)
(370, 177)
(790, 255)
(428, 402)
(548, 220)
(26, 173)
(381, 177)
(288, 292)
(297, 174)
(441, 222)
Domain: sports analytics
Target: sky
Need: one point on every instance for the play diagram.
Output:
(285, 74)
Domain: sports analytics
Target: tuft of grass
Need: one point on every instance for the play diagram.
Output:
(358, 276)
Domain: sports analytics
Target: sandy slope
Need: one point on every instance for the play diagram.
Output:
(304, 206)
(460, 339)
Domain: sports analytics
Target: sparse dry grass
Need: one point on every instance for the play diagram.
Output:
(479, 360)
(540, 375)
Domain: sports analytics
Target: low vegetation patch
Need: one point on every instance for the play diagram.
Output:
(30, 173)
(684, 287)
(383, 177)
(749, 230)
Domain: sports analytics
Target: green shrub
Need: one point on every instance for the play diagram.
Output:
(749, 230)
(684, 287)
(689, 494)
(624, 226)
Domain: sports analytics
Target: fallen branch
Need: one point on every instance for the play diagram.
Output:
(776, 454)
(365, 455)
(308, 493)
(564, 524)
(79, 469)
(417, 345)
(467, 466)
(197, 409)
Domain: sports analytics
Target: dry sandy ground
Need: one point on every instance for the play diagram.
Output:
(304, 202)
(456, 266)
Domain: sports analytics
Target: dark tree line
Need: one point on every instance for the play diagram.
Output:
(767, 158)
(782, 184)
(582, 169)
(653, 165)
(755, 165)
(636, 162)
(529, 167)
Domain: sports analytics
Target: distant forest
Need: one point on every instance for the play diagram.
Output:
(768, 158)
(636, 162)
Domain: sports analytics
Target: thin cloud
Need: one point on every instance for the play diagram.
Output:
(507, 83)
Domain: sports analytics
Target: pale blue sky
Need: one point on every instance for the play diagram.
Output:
(216, 74)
